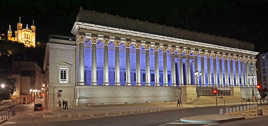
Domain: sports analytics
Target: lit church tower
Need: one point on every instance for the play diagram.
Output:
(19, 31)
(25, 36)
(33, 27)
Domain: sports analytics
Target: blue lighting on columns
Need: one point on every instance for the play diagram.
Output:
(234, 72)
(87, 62)
(132, 50)
(206, 70)
(160, 64)
(184, 67)
(212, 71)
(143, 65)
(100, 62)
(218, 71)
(223, 71)
(229, 71)
(111, 63)
(192, 70)
(239, 73)
(169, 67)
(122, 60)
(199, 70)
(152, 66)
(177, 71)
(244, 74)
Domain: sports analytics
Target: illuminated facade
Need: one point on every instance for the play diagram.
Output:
(25, 36)
(127, 61)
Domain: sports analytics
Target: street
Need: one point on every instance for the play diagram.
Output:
(148, 119)
(262, 121)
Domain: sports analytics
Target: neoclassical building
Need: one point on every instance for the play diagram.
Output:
(116, 60)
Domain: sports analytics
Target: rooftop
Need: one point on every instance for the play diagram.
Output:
(105, 19)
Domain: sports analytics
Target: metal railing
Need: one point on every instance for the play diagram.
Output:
(7, 112)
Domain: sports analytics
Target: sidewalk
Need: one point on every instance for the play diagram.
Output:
(27, 115)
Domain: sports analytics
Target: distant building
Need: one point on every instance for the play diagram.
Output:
(263, 69)
(28, 77)
(23, 35)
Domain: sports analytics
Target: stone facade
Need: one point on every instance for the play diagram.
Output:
(110, 64)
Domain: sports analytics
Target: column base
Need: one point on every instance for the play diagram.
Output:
(188, 93)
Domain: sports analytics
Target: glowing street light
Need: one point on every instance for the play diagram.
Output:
(3, 85)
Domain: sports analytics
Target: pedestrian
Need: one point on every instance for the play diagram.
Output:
(63, 104)
(179, 103)
(59, 103)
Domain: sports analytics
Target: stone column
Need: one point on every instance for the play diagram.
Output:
(138, 68)
(208, 67)
(165, 74)
(106, 67)
(180, 56)
(215, 70)
(246, 70)
(188, 67)
(148, 72)
(237, 71)
(231, 69)
(196, 71)
(94, 64)
(255, 71)
(241, 71)
(127, 44)
(156, 69)
(173, 69)
(81, 76)
(225, 69)
(202, 66)
(117, 63)
(220, 68)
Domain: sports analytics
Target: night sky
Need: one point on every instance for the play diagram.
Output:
(240, 19)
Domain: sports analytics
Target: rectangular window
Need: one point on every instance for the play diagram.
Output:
(63, 75)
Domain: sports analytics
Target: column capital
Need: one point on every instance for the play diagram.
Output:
(179, 50)
(127, 44)
(137, 45)
(164, 48)
(172, 50)
(117, 43)
(201, 52)
(80, 38)
(147, 46)
(212, 53)
(186, 51)
(93, 40)
(235, 57)
(206, 52)
(156, 47)
(218, 54)
(106, 42)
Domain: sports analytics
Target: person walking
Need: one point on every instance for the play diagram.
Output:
(179, 103)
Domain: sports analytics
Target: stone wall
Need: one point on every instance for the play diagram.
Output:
(125, 95)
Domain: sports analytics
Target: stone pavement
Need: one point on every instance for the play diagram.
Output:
(25, 113)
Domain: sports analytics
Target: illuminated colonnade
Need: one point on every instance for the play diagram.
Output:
(121, 62)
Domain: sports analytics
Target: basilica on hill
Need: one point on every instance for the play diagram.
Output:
(26, 36)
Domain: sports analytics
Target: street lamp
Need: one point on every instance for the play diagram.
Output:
(3, 85)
